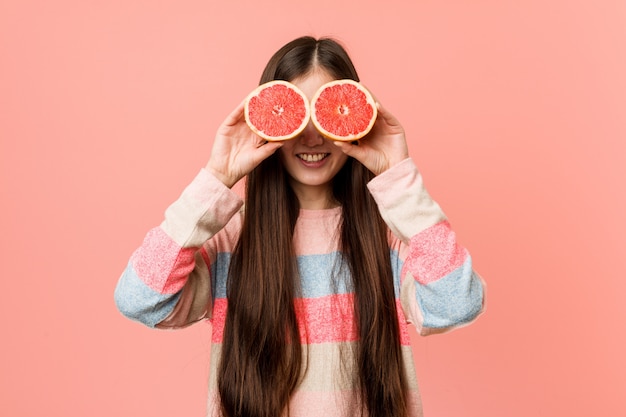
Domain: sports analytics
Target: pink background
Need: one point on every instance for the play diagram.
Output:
(515, 112)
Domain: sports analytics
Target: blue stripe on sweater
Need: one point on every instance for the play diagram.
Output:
(138, 302)
(452, 300)
(314, 272)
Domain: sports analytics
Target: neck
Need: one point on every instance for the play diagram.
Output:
(315, 197)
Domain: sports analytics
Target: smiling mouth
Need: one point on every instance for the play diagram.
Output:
(312, 157)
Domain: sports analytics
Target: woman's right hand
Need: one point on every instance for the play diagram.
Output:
(237, 150)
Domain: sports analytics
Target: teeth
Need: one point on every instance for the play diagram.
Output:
(312, 157)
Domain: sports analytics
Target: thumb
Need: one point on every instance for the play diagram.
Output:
(236, 115)
(267, 149)
(351, 149)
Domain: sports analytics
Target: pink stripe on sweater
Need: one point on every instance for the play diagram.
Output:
(321, 320)
(218, 320)
(405, 339)
(434, 253)
(161, 263)
(326, 319)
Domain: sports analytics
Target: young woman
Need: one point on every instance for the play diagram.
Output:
(310, 285)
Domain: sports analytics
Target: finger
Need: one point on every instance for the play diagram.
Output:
(235, 116)
(355, 151)
(344, 146)
(385, 115)
(268, 149)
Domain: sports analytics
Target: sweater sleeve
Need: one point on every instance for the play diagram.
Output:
(167, 282)
(439, 290)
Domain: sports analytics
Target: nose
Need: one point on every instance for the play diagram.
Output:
(310, 136)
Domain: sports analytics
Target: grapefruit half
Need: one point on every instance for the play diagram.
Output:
(277, 110)
(343, 110)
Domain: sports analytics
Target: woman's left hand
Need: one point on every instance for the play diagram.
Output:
(383, 147)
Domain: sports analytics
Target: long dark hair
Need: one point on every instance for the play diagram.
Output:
(262, 359)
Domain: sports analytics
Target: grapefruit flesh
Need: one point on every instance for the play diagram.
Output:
(343, 110)
(277, 110)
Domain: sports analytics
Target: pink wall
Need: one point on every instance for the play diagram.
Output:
(515, 112)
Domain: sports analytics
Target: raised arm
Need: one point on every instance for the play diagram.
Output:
(167, 280)
(439, 288)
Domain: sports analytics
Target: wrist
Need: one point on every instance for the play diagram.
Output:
(225, 179)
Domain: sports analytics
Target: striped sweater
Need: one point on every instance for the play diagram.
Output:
(178, 277)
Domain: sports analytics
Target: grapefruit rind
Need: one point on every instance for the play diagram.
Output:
(364, 109)
(292, 133)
